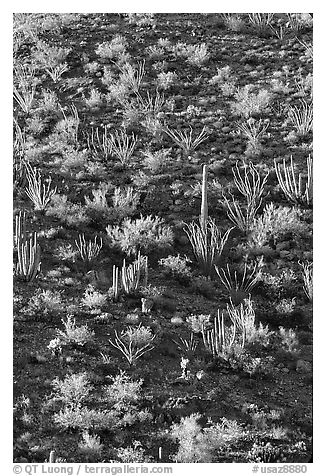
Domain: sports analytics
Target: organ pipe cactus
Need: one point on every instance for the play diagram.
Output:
(28, 250)
(20, 227)
(29, 258)
(115, 282)
(219, 340)
(204, 206)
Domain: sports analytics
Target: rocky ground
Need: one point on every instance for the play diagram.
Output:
(78, 80)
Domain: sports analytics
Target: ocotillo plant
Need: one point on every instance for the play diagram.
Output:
(251, 186)
(207, 243)
(38, 190)
(295, 189)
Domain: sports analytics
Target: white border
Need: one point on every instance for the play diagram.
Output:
(167, 6)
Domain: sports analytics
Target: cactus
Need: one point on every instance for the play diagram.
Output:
(130, 276)
(215, 340)
(52, 458)
(29, 258)
(204, 206)
(20, 228)
(88, 250)
(28, 250)
(115, 282)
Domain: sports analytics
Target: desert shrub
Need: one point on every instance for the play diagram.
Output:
(198, 321)
(176, 266)
(72, 163)
(123, 395)
(45, 302)
(94, 100)
(72, 334)
(225, 81)
(286, 306)
(223, 75)
(66, 130)
(49, 103)
(289, 339)
(52, 59)
(123, 392)
(93, 299)
(72, 390)
(233, 21)
(197, 54)
(90, 446)
(144, 234)
(119, 87)
(114, 49)
(125, 201)
(84, 419)
(70, 213)
(275, 223)
(278, 283)
(203, 285)
(158, 160)
(260, 335)
(65, 252)
(97, 207)
(91, 67)
(248, 102)
(194, 54)
(156, 52)
(133, 454)
(133, 417)
(265, 453)
(259, 367)
(141, 19)
(199, 445)
(166, 79)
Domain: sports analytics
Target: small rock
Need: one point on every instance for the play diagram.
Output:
(303, 366)
(285, 370)
(284, 253)
(176, 320)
